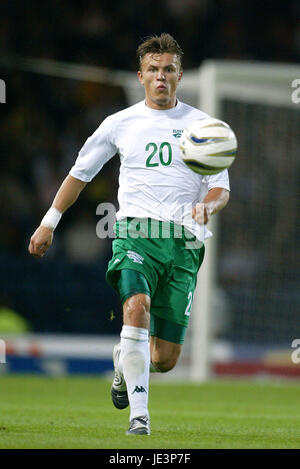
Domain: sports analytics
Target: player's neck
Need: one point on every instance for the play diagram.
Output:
(160, 106)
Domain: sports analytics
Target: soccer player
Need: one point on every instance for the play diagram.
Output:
(153, 267)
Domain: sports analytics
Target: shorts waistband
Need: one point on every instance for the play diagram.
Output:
(151, 228)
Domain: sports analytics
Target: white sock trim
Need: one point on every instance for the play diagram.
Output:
(135, 333)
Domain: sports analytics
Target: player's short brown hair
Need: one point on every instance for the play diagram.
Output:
(164, 43)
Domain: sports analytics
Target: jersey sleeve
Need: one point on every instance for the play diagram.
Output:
(97, 150)
(218, 180)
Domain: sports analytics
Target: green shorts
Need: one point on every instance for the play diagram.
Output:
(169, 267)
(131, 283)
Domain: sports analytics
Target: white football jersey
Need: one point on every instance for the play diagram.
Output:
(154, 181)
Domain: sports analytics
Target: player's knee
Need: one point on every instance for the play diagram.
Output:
(164, 365)
(137, 310)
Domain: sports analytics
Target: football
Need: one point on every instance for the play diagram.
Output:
(208, 146)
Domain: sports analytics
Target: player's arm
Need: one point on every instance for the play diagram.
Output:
(65, 197)
(214, 201)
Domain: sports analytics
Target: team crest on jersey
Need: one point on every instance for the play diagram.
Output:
(135, 257)
(177, 133)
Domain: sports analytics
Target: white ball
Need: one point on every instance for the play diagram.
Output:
(208, 146)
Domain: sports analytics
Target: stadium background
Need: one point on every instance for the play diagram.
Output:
(46, 120)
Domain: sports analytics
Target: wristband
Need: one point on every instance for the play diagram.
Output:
(51, 218)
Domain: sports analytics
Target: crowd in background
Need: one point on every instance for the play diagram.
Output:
(46, 120)
(101, 32)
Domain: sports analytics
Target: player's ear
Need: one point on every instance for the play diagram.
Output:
(140, 77)
(180, 75)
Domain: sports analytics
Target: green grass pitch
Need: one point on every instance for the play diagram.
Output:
(76, 412)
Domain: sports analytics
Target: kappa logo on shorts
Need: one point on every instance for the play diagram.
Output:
(135, 257)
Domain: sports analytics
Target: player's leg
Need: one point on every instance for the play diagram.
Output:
(171, 308)
(164, 354)
(135, 359)
(132, 355)
(166, 340)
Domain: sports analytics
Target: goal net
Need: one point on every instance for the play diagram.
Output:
(251, 314)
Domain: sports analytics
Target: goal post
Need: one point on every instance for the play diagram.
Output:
(200, 337)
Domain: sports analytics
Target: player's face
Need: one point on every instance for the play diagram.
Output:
(160, 75)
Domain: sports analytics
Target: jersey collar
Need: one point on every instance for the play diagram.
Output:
(167, 112)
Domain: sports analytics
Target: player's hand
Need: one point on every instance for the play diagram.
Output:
(40, 241)
(201, 213)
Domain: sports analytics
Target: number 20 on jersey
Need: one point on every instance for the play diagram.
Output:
(161, 154)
